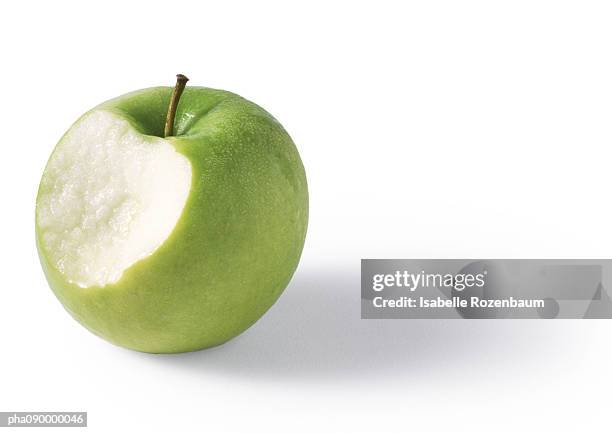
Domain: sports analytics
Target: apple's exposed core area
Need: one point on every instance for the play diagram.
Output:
(109, 197)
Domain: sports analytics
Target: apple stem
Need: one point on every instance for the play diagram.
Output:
(181, 82)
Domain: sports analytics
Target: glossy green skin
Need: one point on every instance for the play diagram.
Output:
(238, 240)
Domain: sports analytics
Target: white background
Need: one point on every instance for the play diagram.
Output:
(428, 129)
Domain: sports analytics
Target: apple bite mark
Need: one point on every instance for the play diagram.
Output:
(109, 197)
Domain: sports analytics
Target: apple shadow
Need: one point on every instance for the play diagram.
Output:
(315, 332)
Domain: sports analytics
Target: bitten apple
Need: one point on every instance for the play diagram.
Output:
(169, 222)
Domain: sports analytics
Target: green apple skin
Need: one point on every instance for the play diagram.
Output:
(236, 245)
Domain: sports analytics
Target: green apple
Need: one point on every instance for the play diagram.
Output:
(171, 242)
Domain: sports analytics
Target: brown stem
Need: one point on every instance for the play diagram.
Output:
(181, 82)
